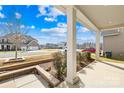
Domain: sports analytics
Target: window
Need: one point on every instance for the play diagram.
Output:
(7, 40)
(2, 40)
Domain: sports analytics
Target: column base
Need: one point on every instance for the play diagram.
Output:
(74, 81)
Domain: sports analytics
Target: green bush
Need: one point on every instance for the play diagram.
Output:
(83, 58)
(59, 63)
(86, 55)
(79, 57)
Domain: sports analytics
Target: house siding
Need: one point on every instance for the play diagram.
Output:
(114, 43)
(33, 48)
(33, 45)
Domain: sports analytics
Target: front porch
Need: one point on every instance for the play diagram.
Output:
(99, 75)
(98, 19)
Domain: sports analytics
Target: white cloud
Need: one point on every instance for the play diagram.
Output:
(30, 27)
(55, 29)
(33, 27)
(42, 9)
(82, 29)
(49, 11)
(38, 15)
(88, 38)
(55, 12)
(22, 26)
(61, 28)
(50, 19)
(2, 15)
(59, 34)
(18, 15)
(1, 8)
(27, 27)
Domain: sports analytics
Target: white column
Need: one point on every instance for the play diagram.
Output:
(97, 45)
(71, 45)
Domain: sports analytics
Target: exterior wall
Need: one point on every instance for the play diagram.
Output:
(8, 44)
(5, 47)
(30, 48)
(33, 48)
(114, 43)
(23, 48)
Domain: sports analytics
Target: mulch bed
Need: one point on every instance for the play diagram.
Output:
(50, 67)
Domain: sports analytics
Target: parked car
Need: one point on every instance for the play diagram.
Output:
(91, 50)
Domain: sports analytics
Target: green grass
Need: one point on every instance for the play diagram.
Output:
(115, 60)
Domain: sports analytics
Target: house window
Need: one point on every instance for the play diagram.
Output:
(7, 41)
(8, 47)
(2, 40)
(2, 47)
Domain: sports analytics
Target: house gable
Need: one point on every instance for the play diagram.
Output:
(33, 43)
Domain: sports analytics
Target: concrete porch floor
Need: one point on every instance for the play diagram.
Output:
(99, 75)
(25, 81)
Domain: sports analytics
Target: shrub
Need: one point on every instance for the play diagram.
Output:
(79, 57)
(59, 63)
(80, 60)
(86, 55)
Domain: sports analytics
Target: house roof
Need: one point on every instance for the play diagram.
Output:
(22, 36)
(25, 39)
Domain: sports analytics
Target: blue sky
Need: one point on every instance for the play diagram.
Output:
(45, 23)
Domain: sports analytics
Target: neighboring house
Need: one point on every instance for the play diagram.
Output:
(7, 43)
(51, 45)
(62, 45)
(113, 41)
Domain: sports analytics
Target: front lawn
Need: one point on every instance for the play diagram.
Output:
(115, 60)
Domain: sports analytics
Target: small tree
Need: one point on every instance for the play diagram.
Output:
(15, 28)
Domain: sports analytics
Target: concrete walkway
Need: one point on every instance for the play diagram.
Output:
(25, 81)
(100, 75)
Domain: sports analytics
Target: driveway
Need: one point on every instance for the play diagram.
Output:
(100, 75)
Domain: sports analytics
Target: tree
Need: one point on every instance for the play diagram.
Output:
(14, 27)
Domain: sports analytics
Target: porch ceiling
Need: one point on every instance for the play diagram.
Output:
(104, 16)
(99, 17)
